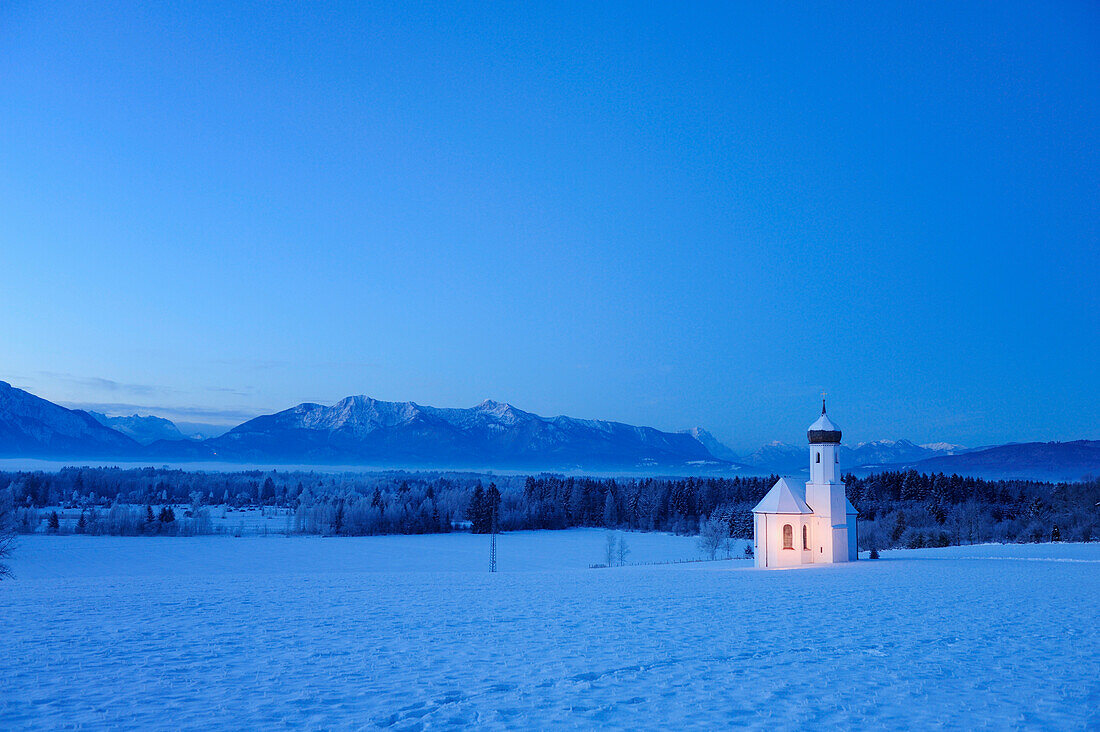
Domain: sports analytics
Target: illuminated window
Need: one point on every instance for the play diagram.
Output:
(805, 537)
(788, 536)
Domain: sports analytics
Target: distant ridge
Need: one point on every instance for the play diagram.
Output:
(786, 459)
(1054, 461)
(144, 430)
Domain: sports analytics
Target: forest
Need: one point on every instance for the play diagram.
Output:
(896, 509)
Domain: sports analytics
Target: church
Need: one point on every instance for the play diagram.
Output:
(812, 524)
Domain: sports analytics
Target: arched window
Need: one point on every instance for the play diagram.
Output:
(818, 458)
(837, 458)
(788, 536)
(805, 537)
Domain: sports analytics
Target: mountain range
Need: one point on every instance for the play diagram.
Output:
(363, 431)
(358, 430)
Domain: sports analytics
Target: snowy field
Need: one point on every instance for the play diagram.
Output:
(412, 633)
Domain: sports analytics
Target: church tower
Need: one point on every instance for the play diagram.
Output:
(825, 493)
(795, 526)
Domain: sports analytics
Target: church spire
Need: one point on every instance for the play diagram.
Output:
(823, 430)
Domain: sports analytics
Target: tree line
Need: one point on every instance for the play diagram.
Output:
(895, 508)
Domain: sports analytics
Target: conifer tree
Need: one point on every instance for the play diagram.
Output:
(492, 507)
(267, 490)
(899, 527)
(610, 515)
(338, 518)
(54, 522)
(476, 510)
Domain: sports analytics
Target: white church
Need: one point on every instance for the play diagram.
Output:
(814, 524)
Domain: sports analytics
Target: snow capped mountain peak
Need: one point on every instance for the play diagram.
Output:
(886, 443)
(709, 441)
(943, 447)
(360, 414)
(491, 406)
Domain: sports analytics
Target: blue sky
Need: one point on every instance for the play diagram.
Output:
(665, 215)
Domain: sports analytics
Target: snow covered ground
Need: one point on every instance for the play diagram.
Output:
(412, 632)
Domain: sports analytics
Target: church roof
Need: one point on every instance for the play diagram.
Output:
(824, 424)
(823, 430)
(784, 497)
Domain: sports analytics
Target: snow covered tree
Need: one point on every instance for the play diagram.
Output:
(53, 524)
(338, 518)
(7, 540)
(610, 548)
(610, 513)
(899, 527)
(7, 531)
(82, 523)
(623, 550)
(711, 534)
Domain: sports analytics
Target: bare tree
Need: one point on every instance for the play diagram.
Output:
(610, 546)
(7, 542)
(7, 531)
(623, 551)
(711, 534)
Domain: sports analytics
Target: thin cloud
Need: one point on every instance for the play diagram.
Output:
(189, 414)
(110, 385)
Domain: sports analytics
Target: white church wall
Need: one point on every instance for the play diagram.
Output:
(822, 548)
(779, 555)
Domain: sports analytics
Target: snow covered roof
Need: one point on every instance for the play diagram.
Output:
(823, 430)
(824, 424)
(784, 497)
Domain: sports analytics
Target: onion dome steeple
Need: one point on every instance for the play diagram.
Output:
(823, 430)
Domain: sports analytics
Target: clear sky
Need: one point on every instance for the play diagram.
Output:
(670, 214)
